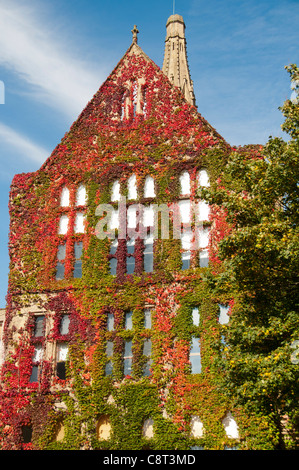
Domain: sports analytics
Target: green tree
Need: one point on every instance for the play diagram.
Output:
(259, 193)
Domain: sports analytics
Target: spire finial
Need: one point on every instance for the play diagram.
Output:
(135, 31)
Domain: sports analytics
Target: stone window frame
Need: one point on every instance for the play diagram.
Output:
(131, 336)
(192, 255)
(66, 249)
(132, 258)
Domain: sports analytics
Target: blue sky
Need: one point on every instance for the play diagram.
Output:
(54, 55)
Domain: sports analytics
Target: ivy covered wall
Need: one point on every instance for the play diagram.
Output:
(88, 409)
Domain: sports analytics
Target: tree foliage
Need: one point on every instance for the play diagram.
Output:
(260, 196)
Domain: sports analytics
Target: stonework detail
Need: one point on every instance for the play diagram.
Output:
(175, 65)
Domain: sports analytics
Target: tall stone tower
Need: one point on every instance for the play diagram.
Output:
(175, 65)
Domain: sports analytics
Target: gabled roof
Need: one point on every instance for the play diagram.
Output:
(169, 116)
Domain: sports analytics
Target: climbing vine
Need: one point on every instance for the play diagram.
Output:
(102, 146)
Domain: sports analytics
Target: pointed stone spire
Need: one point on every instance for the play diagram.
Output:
(175, 65)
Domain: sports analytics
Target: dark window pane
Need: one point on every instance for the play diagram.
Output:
(61, 252)
(59, 271)
(64, 324)
(34, 375)
(109, 368)
(109, 348)
(130, 265)
(77, 269)
(113, 266)
(113, 247)
(148, 260)
(147, 368)
(39, 325)
(195, 358)
(60, 370)
(186, 260)
(130, 247)
(110, 322)
(128, 366)
(26, 434)
(147, 347)
(128, 321)
(78, 247)
(128, 358)
(147, 318)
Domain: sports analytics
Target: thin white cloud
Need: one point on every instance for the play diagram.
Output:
(22, 145)
(42, 59)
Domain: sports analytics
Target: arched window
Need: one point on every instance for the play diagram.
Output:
(196, 427)
(115, 193)
(185, 183)
(149, 187)
(203, 178)
(65, 197)
(230, 426)
(134, 98)
(132, 187)
(103, 428)
(81, 196)
(223, 314)
(59, 432)
(148, 429)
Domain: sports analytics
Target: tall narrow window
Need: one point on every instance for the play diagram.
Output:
(65, 197)
(149, 187)
(203, 178)
(26, 434)
(186, 240)
(112, 258)
(79, 222)
(144, 107)
(129, 320)
(203, 211)
(109, 354)
(148, 255)
(147, 350)
(110, 322)
(128, 357)
(147, 318)
(115, 193)
(36, 363)
(81, 196)
(130, 267)
(60, 266)
(195, 316)
(203, 245)
(64, 324)
(223, 314)
(63, 225)
(195, 358)
(62, 352)
(185, 183)
(134, 98)
(39, 325)
(123, 107)
(78, 248)
(132, 187)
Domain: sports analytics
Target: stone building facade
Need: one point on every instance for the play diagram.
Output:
(112, 334)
